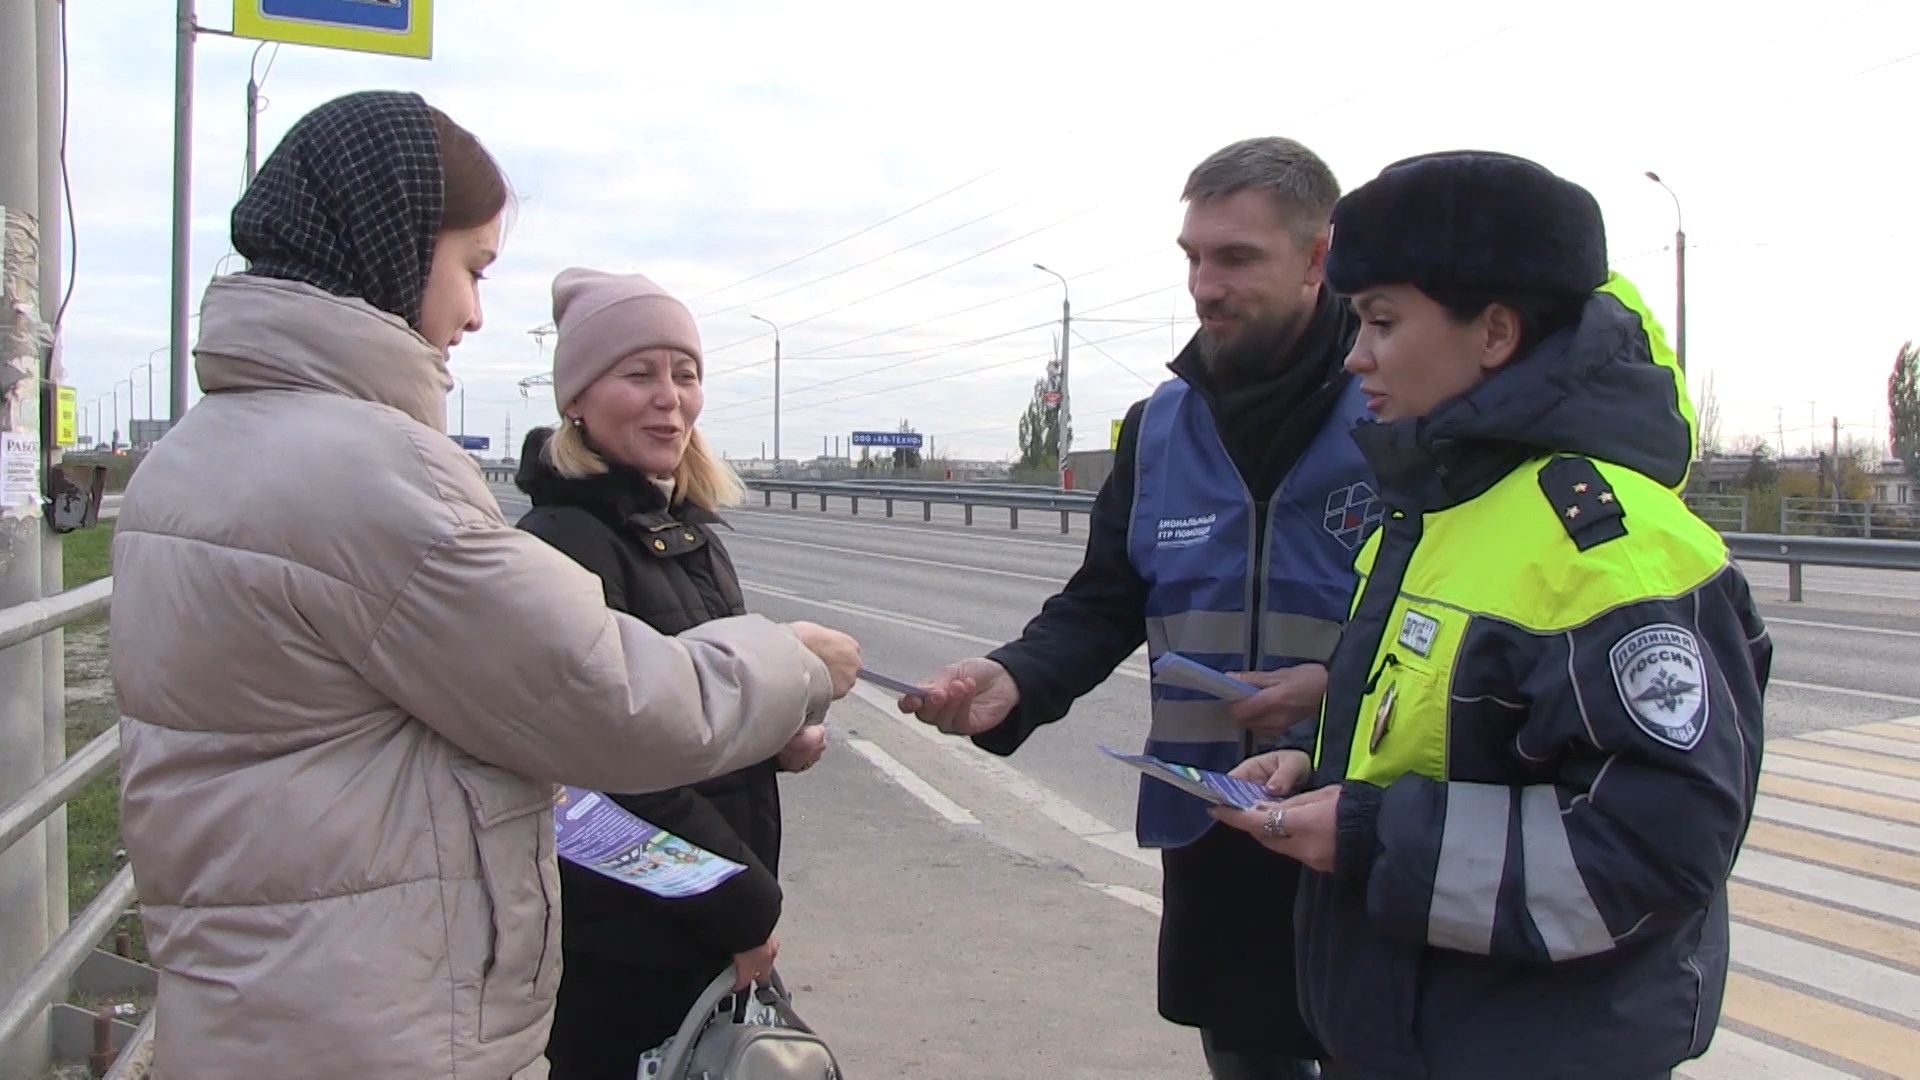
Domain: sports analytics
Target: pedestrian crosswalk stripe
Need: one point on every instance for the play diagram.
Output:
(1734, 1056)
(1834, 974)
(1839, 854)
(1898, 787)
(1833, 1028)
(1833, 886)
(1877, 744)
(1807, 918)
(1882, 806)
(1892, 730)
(1862, 760)
(1838, 822)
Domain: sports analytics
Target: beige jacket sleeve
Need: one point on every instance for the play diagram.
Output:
(505, 646)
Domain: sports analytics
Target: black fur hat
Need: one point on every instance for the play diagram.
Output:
(1468, 220)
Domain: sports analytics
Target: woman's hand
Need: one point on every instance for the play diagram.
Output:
(1281, 772)
(1311, 823)
(754, 965)
(838, 651)
(803, 749)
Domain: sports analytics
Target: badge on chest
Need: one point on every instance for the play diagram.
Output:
(1418, 631)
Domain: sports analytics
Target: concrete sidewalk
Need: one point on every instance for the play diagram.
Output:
(925, 950)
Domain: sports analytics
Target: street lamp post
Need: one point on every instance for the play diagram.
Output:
(1679, 275)
(776, 392)
(1063, 414)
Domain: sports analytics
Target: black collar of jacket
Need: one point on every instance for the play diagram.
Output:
(619, 494)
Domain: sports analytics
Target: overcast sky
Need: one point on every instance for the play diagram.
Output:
(715, 145)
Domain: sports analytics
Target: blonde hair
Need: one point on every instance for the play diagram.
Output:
(703, 478)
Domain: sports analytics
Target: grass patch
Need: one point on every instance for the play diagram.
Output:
(86, 554)
(94, 850)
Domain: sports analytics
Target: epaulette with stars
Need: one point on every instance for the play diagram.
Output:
(1583, 500)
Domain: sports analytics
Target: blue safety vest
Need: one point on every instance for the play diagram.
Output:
(1217, 595)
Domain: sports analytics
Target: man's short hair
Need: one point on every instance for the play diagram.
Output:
(1303, 188)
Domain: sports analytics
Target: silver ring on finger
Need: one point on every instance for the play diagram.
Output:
(1276, 823)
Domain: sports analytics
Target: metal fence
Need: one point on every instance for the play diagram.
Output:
(1727, 513)
(1796, 552)
(48, 983)
(1849, 517)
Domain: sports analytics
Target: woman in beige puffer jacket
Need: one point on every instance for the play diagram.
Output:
(339, 666)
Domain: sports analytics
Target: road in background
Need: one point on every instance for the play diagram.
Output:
(1826, 895)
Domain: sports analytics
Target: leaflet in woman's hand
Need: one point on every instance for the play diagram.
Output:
(1217, 788)
(593, 831)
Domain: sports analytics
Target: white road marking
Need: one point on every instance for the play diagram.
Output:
(934, 529)
(1145, 901)
(912, 623)
(1048, 803)
(1873, 744)
(1898, 699)
(1812, 625)
(1844, 976)
(1839, 775)
(1818, 883)
(933, 623)
(913, 784)
(1838, 822)
(1733, 1056)
(1054, 580)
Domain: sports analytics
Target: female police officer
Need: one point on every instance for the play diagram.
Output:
(1542, 733)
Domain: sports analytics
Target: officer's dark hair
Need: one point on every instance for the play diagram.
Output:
(1303, 188)
(1541, 314)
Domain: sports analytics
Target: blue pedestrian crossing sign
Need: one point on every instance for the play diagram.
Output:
(390, 27)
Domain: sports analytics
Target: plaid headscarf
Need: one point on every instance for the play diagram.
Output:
(350, 202)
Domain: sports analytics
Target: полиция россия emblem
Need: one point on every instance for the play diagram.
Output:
(1663, 683)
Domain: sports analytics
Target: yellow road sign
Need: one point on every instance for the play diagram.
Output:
(390, 27)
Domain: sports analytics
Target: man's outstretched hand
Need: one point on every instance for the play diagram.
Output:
(965, 698)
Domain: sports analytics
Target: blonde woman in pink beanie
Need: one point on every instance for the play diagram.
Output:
(626, 487)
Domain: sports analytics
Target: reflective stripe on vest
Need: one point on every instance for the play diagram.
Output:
(1214, 597)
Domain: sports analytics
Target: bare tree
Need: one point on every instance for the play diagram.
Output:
(1707, 413)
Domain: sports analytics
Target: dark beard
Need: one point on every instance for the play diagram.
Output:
(1257, 351)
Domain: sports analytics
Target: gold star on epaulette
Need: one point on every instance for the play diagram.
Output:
(1586, 504)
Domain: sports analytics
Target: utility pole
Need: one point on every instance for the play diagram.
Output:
(1836, 459)
(1063, 413)
(48, 30)
(24, 914)
(776, 393)
(1679, 275)
(184, 30)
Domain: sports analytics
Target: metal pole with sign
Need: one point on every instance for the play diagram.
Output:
(387, 27)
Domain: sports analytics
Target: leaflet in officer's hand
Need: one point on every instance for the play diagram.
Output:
(1172, 669)
(1217, 788)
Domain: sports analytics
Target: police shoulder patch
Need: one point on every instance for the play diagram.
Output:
(1663, 683)
(1583, 501)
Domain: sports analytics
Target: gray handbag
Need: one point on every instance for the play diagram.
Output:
(726, 1047)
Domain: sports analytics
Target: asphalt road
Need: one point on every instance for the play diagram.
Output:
(919, 595)
(1827, 894)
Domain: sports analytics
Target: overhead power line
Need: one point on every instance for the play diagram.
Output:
(850, 236)
(910, 281)
(861, 265)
